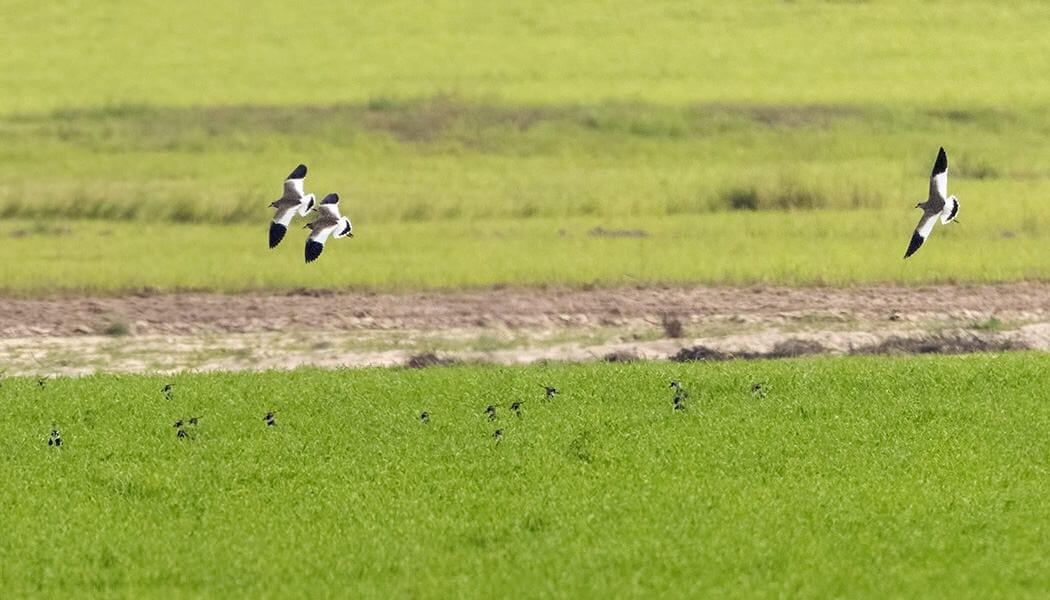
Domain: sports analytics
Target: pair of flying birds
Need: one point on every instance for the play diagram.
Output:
(328, 222)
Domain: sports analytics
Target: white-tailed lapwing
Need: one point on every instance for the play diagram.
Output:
(328, 222)
(291, 202)
(939, 204)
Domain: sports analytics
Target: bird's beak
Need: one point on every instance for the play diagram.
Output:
(349, 235)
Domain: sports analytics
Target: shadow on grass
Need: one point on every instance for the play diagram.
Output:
(940, 343)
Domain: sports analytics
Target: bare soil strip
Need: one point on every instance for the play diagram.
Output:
(171, 332)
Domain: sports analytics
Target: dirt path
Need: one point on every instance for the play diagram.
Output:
(213, 331)
(187, 314)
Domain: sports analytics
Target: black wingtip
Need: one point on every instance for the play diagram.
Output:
(313, 250)
(916, 241)
(276, 233)
(331, 199)
(298, 173)
(941, 164)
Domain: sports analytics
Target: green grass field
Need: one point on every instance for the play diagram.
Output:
(738, 248)
(446, 193)
(67, 54)
(866, 477)
(758, 129)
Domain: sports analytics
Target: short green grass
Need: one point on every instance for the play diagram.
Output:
(860, 477)
(826, 247)
(65, 54)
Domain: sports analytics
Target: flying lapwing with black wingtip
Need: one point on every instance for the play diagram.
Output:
(293, 201)
(328, 223)
(939, 204)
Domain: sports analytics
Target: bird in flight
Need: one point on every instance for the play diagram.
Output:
(328, 222)
(939, 204)
(291, 202)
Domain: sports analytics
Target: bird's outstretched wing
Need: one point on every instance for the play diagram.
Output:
(922, 231)
(315, 242)
(939, 178)
(293, 185)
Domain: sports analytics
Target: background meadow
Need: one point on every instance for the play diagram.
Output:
(748, 142)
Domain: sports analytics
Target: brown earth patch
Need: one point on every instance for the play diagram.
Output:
(508, 325)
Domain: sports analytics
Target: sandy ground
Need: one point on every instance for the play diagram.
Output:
(172, 332)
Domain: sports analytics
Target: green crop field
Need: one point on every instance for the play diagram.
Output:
(492, 143)
(751, 142)
(861, 477)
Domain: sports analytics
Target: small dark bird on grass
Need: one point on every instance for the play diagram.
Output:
(182, 433)
(167, 389)
(271, 419)
(178, 424)
(498, 434)
(758, 390)
(549, 391)
(55, 439)
(424, 416)
(42, 381)
(194, 420)
(680, 393)
(516, 407)
(491, 411)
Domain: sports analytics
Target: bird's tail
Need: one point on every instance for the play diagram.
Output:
(950, 210)
(306, 204)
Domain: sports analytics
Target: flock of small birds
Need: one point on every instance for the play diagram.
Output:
(186, 428)
(329, 223)
(180, 429)
(678, 402)
(491, 412)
